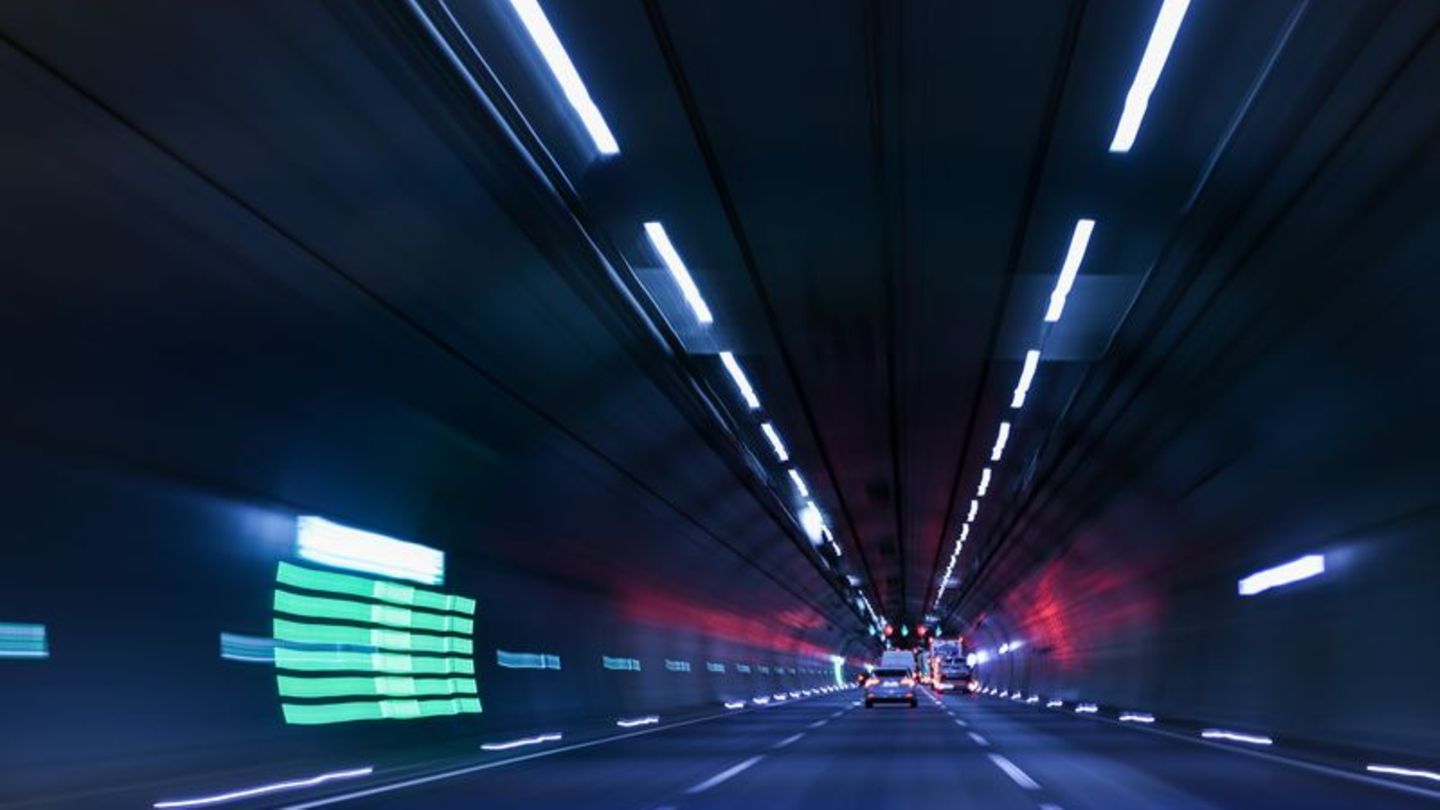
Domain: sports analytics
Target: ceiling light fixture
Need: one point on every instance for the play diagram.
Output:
(1027, 376)
(665, 249)
(775, 443)
(737, 375)
(1079, 241)
(1152, 64)
(538, 26)
(1000, 439)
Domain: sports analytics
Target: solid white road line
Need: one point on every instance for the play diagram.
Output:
(981, 741)
(789, 740)
(724, 775)
(1016, 775)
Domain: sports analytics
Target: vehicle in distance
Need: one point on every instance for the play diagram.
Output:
(950, 670)
(890, 685)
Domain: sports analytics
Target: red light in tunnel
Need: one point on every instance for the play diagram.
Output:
(889, 630)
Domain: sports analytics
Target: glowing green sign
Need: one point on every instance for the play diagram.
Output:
(354, 648)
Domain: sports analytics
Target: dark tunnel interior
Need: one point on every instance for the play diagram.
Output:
(557, 403)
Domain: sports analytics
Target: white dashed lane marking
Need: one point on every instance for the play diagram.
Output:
(981, 741)
(1013, 771)
(789, 740)
(724, 775)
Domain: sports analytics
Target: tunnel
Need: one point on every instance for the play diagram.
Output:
(612, 404)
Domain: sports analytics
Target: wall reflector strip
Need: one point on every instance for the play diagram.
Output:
(1152, 64)
(518, 660)
(1393, 770)
(328, 543)
(536, 740)
(1308, 566)
(1220, 734)
(677, 666)
(294, 784)
(23, 641)
(638, 721)
(558, 60)
(1137, 717)
(624, 664)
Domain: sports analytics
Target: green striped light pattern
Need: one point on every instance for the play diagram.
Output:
(307, 714)
(380, 685)
(379, 590)
(345, 610)
(350, 648)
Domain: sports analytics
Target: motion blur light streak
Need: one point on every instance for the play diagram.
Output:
(553, 51)
(1054, 704)
(1079, 241)
(520, 743)
(1001, 437)
(1219, 734)
(23, 641)
(665, 249)
(519, 660)
(1147, 75)
(325, 713)
(742, 383)
(1393, 770)
(974, 510)
(1027, 376)
(1136, 717)
(812, 522)
(328, 543)
(775, 443)
(295, 784)
(984, 482)
(1086, 708)
(379, 590)
(677, 666)
(1308, 566)
(638, 721)
(625, 664)
(735, 704)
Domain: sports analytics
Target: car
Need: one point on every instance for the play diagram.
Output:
(890, 685)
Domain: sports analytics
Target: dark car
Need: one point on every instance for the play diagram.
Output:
(890, 685)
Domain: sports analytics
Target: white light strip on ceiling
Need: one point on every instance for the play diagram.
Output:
(1000, 439)
(775, 443)
(1027, 376)
(1152, 64)
(742, 383)
(660, 241)
(538, 25)
(1079, 241)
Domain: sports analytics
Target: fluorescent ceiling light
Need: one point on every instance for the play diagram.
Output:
(799, 483)
(660, 240)
(1308, 566)
(974, 508)
(535, 21)
(1027, 376)
(984, 482)
(742, 382)
(812, 522)
(322, 541)
(1079, 240)
(779, 446)
(1000, 439)
(1152, 64)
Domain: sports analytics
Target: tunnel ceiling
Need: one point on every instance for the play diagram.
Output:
(874, 198)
